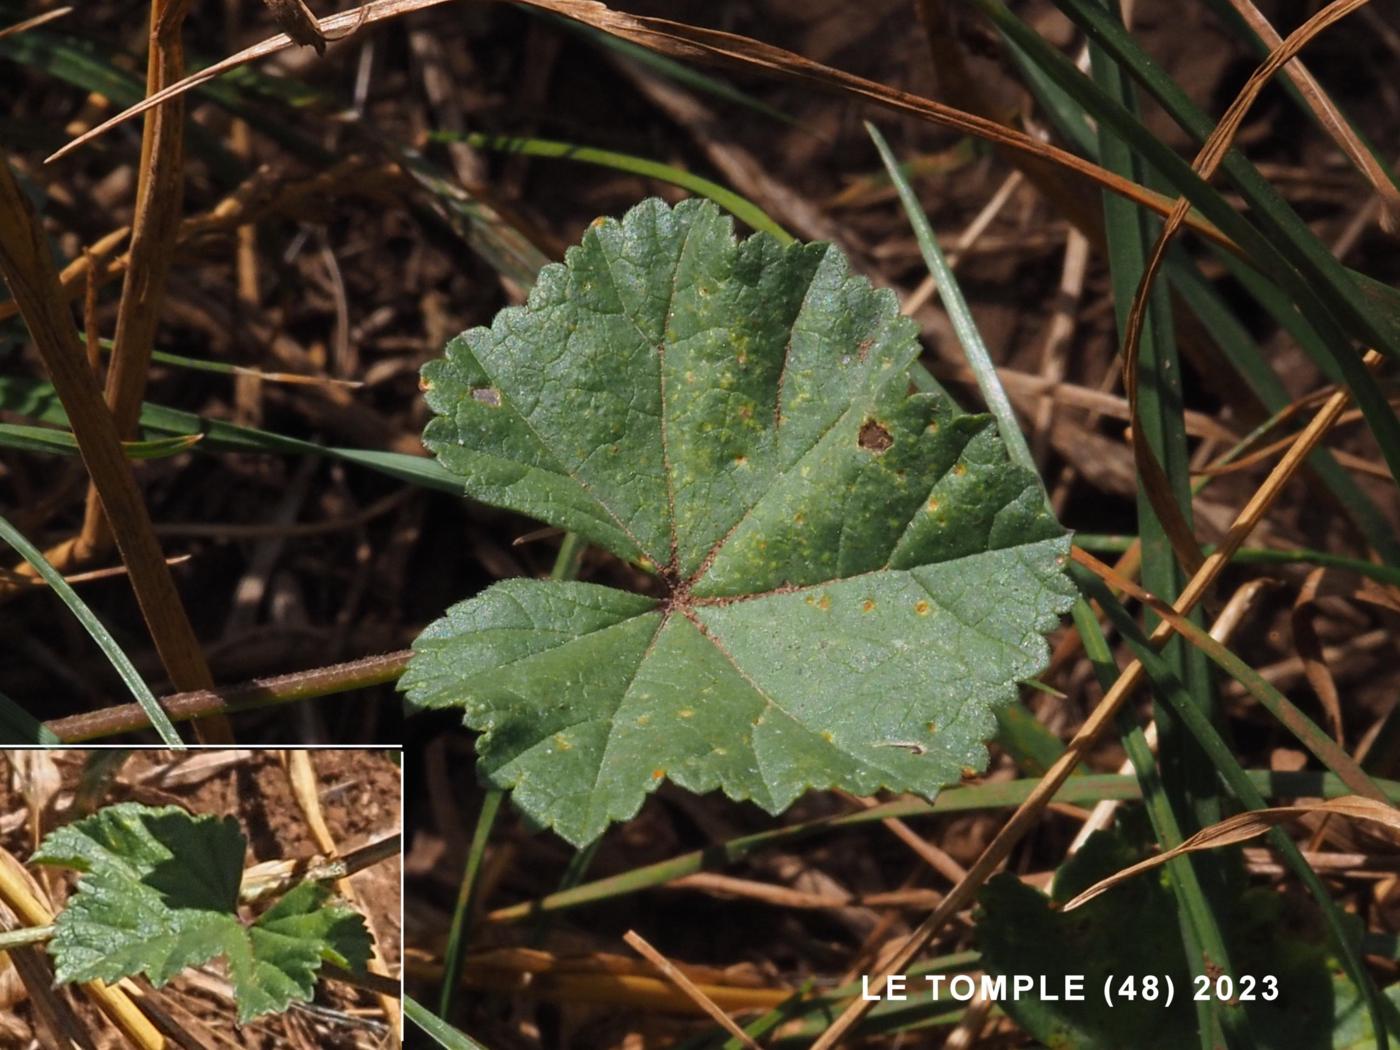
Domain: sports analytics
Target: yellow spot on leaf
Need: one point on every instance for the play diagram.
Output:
(932, 505)
(657, 774)
(921, 607)
(824, 603)
(686, 712)
(959, 469)
(562, 742)
(826, 735)
(868, 605)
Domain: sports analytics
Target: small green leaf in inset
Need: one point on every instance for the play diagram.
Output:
(159, 892)
(844, 564)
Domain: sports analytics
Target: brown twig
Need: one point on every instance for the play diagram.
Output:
(29, 270)
(260, 692)
(689, 987)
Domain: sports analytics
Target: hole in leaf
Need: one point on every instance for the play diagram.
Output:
(874, 437)
(487, 395)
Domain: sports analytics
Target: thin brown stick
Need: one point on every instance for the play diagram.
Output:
(32, 23)
(248, 696)
(29, 270)
(1330, 118)
(154, 224)
(689, 987)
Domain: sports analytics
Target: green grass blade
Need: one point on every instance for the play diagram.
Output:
(94, 627)
(1185, 771)
(1220, 322)
(1362, 315)
(37, 400)
(458, 933)
(18, 726)
(1199, 930)
(86, 65)
(1081, 790)
(50, 441)
(1316, 286)
(1243, 355)
(1028, 741)
(1304, 729)
(993, 393)
(740, 207)
(1159, 672)
(1105, 544)
(435, 1027)
(818, 1009)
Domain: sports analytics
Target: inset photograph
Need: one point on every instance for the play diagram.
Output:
(200, 899)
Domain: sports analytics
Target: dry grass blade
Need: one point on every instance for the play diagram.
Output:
(34, 23)
(957, 83)
(1309, 646)
(22, 896)
(1245, 826)
(1099, 719)
(29, 270)
(247, 204)
(1329, 751)
(676, 39)
(598, 979)
(302, 775)
(689, 987)
(1211, 155)
(1331, 120)
(52, 1010)
(1222, 630)
(159, 191)
(16, 581)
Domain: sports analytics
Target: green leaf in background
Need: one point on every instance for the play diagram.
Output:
(852, 577)
(1132, 935)
(159, 893)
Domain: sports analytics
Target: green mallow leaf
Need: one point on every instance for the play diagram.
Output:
(159, 892)
(852, 576)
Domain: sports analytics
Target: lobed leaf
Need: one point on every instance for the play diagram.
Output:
(852, 576)
(159, 893)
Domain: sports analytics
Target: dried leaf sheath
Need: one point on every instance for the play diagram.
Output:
(846, 564)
